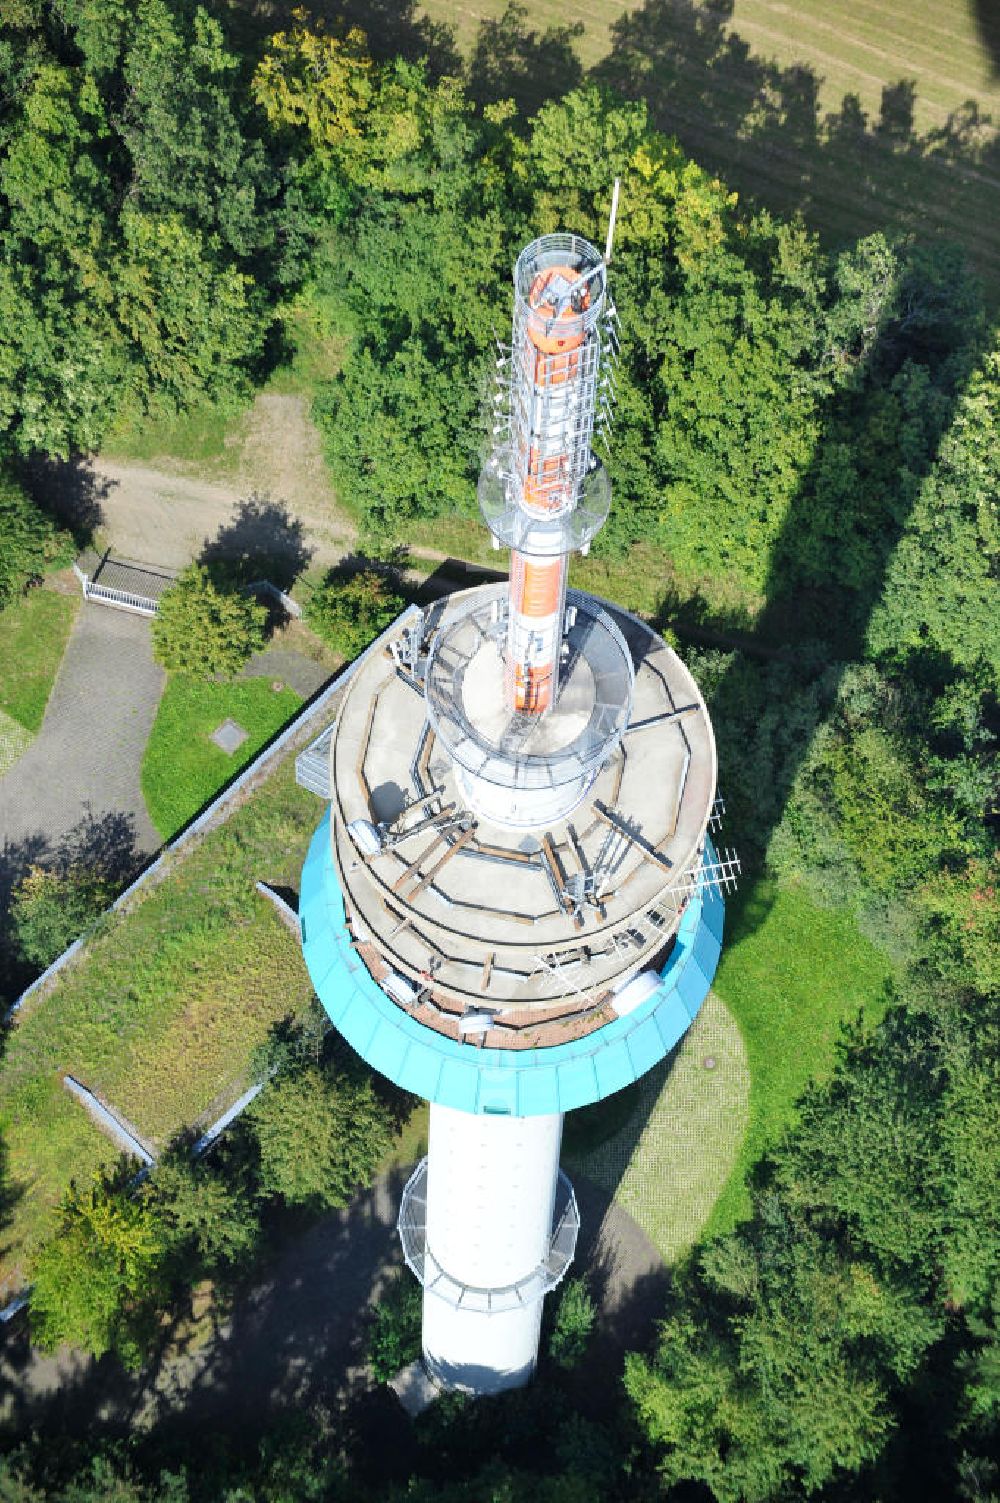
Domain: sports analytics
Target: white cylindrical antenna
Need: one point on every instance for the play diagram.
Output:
(611, 221)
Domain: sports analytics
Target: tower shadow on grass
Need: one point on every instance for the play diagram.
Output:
(761, 125)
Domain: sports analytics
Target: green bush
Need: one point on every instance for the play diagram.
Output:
(211, 1221)
(28, 541)
(49, 910)
(319, 1135)
(348, 612)
(574, 1324)
(394, 1332)
(98, 1281)
(202, 630)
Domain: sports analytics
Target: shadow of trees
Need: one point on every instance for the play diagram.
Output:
(394, 28)
(291, 1339)
(760, 124)
(261, 540)
(105, 845)
(69, 491)
(511, 61)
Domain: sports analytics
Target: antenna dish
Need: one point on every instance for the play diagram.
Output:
(366, 836)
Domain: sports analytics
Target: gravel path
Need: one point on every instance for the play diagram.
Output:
(165, 514)
(76, 788)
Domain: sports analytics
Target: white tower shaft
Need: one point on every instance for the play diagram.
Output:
(491, 1188)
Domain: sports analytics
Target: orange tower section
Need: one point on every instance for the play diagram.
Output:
(543, 493)
(538, 585)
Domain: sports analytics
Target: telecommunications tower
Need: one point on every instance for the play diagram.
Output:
(513, 906)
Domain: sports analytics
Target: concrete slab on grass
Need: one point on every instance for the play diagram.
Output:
(229, 736)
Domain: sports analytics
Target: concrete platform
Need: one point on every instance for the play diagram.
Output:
(415, 1388)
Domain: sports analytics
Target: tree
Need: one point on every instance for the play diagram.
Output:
(320, 1135)
(393, 1338)
(63, 364)
(50, 909)
(321, 84)
(202, 630)
(98, 1280)
(28, 541)
(209, 1218)
(788, 1352)
(940, 585)
(573, 1326)
(348, 612)
(191, 323)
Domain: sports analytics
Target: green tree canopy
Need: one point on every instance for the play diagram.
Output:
(28, 540)
(97, 1281)
(202, 630)
(50, 909)
(320, 1135)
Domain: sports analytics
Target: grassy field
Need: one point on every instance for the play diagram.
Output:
(863, 115)
(672, 1157)
(182, 769)
(14, 741)
(33, 637)
(791, 974)
(207, 438)
(161, 1016)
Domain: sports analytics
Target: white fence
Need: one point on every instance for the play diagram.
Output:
(122, 600)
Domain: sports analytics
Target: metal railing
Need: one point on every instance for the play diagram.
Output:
(142, 605)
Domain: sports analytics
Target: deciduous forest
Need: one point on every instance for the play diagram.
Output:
(806, 471)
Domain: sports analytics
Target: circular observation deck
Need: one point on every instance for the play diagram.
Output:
(560, 285)
(525, 532)
(493, 938)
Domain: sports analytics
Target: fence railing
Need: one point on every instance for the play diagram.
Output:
(148, 605)
(288, 605)
(123, 599)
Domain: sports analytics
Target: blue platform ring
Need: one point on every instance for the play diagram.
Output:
(514, 1082)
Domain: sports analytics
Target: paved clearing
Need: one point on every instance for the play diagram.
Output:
(296, 1338)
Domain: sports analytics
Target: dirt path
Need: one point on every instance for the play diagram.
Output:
(164, 514)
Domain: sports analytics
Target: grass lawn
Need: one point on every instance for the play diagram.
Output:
(163, 1012)
(33, 636)
(14, 741)
(182, 769)
(669, 1160)
(207, 437)
(790, 974)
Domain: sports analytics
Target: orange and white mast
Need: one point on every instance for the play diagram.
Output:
(543, 492)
